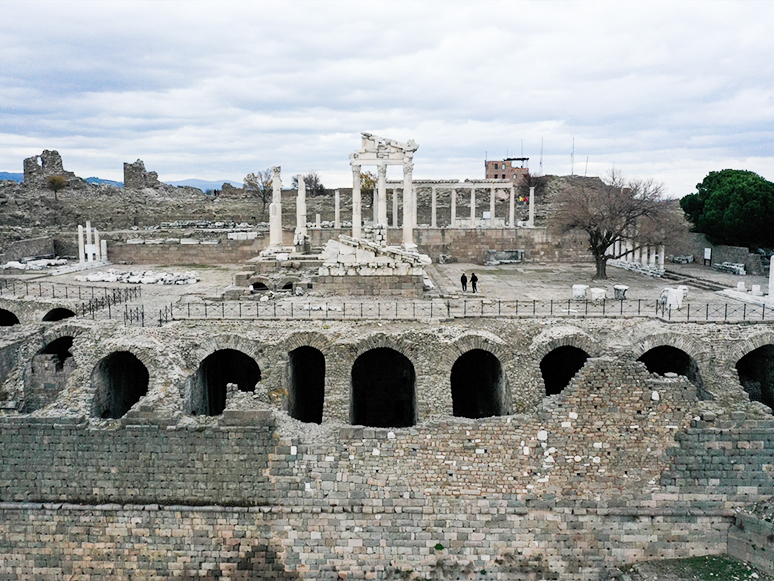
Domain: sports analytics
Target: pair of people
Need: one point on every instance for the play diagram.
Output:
(473, 282)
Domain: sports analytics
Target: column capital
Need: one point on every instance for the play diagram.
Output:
(382, 169)
(408, 167)
(276, 169)
(355, 168)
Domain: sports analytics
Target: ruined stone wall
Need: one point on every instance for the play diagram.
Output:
(615, 468)
(136, 178)
(32, 248)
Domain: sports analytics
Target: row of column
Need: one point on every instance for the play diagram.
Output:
(89, 251)
(645, 255)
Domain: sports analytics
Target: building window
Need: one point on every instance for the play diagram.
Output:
(495, 166)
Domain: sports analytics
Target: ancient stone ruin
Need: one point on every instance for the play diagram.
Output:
(38, 168)
(137, 178)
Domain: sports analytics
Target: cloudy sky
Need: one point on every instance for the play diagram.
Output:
(216, 90)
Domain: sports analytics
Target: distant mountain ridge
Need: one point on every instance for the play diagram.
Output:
(203, 185)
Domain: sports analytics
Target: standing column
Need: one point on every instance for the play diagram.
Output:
(512, 208)
(652, 256)
(97, 251)
(629, 246)
(453, 222)
(531, 219)
(636, 254)
(492, 191)
(382, 206)
(275, 209)
(301, 210)
(644, 255)
(661, 259)
(336, 209)
(81, 254)
(473, 207)
(408, 195)
(771, 276)
(356, 219)
(414, 204)
(89, 253)
(394, 207)
(433, 222)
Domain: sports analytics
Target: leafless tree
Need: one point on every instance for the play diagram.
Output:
(313, 183)
(259, 185)
(619, 209)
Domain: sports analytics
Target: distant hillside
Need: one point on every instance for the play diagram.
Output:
(99, 181)
(204, 185)
(16, 177)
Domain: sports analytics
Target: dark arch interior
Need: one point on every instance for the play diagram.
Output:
(477, 385)
(383, 389)
(60, 349)
(210, 384)
(756, 373)
(7, 318)
(259, 286)
(287, 286)
(665, 359)
(560, 366)
(306, 384)
(58, 314)
(120, 380)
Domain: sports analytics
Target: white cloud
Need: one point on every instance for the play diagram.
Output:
(216, 90)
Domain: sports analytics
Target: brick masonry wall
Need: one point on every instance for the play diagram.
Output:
(751, 540)
(603, 473)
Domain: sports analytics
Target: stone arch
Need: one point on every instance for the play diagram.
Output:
(218, 342)
(47, 372)
(260, 283)
(560, 365)
(745, 346)
(382, 340)
(119, 380)
(490, 343)
(58, 314)
(756, 374)
(8, 319)
(478, 385)
(671, 352)
(567, 337)
(288, 283)
(208, 387)
(383, 389)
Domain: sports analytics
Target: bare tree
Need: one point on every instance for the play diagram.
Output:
(367, 187)
(259, 185)
(617, 210)
(313, 183)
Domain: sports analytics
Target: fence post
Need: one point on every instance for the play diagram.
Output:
(688, 312)
(744, 312)
(725, 316)
(763, 312)
(534, 306)
(499, 308)
(465, 308)
(706, 316)
(552, 307)
(517, 307)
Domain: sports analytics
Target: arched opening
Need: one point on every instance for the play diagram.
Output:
(259, 286)
(560, 365)
(58, 315)
(383, 389)
(477, 385)
(667, 359)
(209, 386)
(287, 286)
(306, 384)
(48, 372)
(8, 319)
(119, 381)
(756, 374)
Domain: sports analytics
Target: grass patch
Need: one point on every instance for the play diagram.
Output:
(708, 568)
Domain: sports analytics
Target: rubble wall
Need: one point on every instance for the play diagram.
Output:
(32, 248)
(610, 470)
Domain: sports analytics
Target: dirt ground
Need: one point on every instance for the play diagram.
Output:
(712, 568)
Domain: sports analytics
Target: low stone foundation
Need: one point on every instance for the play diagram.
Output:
(402, 286)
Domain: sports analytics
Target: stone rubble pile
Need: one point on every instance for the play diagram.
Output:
(140, 277)
(637, 267)
(351, 257)
(34, 264)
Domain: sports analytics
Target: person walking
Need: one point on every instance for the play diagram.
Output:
(473, 281)
(464, 281)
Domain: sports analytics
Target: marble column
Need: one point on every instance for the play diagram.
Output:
(356, 219)
(414, 205)
(275, 208)
(103, 249)
(661, 257)
(512, 208)
(336, 209)
(301, 207)
(394, 207)
(434, 208)
(382, 208)
(531, 219)
(81, 250)
(652, 257)
(97, 252)
(408, 204)
(453, 220)
(629, 254)
(492, 191)
(473, 207)
(636, 254)
(89, 253)
(644, 255)
(771, 279)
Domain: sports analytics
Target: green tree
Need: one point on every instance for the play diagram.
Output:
(367, 187)
(56, 183)
(734, 207)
